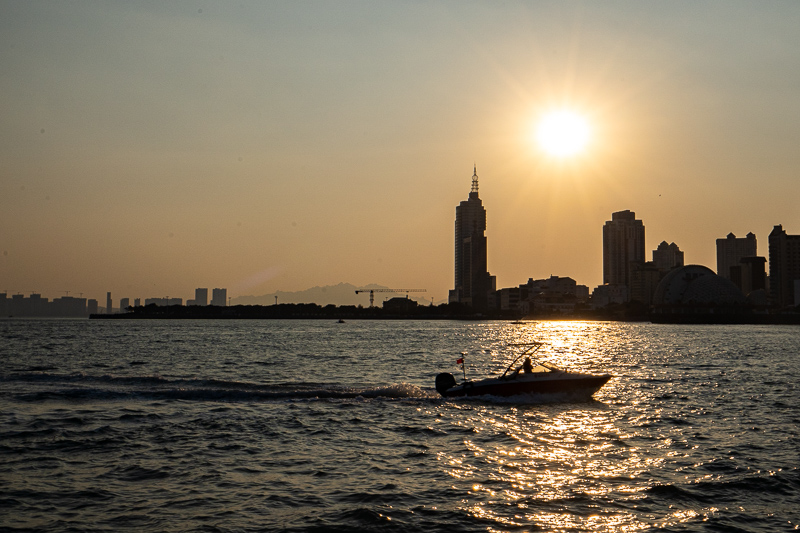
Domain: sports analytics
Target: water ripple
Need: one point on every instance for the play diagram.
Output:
(303, 426)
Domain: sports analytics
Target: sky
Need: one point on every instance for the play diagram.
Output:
(149, 148)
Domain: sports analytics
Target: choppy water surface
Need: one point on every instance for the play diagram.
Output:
(313, 425)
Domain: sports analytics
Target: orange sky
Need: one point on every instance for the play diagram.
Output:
(148, 149)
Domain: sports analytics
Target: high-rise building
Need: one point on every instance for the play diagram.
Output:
(731, 250)
(69, 306)
(472, 280)
(109, 304)
(644, 278)
(784, 266)
(20, 306)
(667, 256)
(124, 303)
(38, 305)
(623, 244)
(200, 297)
(750, 274)
(219, 297)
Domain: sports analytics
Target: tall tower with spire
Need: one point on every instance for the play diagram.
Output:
(472, 280)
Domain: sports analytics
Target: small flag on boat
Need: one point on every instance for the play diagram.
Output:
(460, 361)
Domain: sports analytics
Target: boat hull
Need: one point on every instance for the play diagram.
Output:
(567, 384)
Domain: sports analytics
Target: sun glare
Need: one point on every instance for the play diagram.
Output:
(562, 133)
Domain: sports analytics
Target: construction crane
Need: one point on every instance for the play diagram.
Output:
(373, 291)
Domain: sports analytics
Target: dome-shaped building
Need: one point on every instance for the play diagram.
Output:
(694, 293)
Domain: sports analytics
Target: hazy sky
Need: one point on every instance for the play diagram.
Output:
(148, 148)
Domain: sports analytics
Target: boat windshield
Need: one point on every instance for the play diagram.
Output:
(549, 367)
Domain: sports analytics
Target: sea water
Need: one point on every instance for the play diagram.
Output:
(318, 426)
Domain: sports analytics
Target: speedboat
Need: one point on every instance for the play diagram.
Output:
(539, 378)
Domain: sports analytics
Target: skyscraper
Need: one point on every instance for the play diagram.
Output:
(750, 274)
(201, 297)
(219, 297)
(784, 267)
(667, 256)
(472, 280)
(623, 243)
(731, 250)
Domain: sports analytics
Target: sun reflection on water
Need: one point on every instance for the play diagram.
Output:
(564, 467)
(547, 457)
(574, 345)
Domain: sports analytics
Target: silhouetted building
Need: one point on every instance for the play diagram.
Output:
(163, 302)
(472, 280)
(34, 305)
(20, 306)
(400, 305)
(109, 304)
(552, 304)
(694, 293)
(750, 274)
(552, 285)
(201, 297)
(623, 244)
(553, 295)
(731, 250)
(219, 297)
(509, 299)
(137, 302)
(69, 306)
(550, 295)
(92, 306)
(667, 256)
(582, 293)
(644, 279)
(38, 305)
(124, 303)
(607, 294)
(784, 267)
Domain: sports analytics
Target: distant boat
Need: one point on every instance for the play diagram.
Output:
(530, 378)
(340, 321)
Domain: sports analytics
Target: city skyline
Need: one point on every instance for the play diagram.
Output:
(623, 244)
(153, 149)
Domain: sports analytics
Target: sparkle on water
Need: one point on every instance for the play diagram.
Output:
(298, 425)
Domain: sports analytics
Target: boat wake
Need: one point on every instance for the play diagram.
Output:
(42, 386)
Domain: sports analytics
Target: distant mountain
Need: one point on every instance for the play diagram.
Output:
(341, 294)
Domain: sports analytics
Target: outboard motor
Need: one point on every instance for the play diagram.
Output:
(444, 381)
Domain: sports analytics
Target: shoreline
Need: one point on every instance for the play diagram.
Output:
(442, 312)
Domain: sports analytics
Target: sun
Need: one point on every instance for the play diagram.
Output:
(563, 133)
